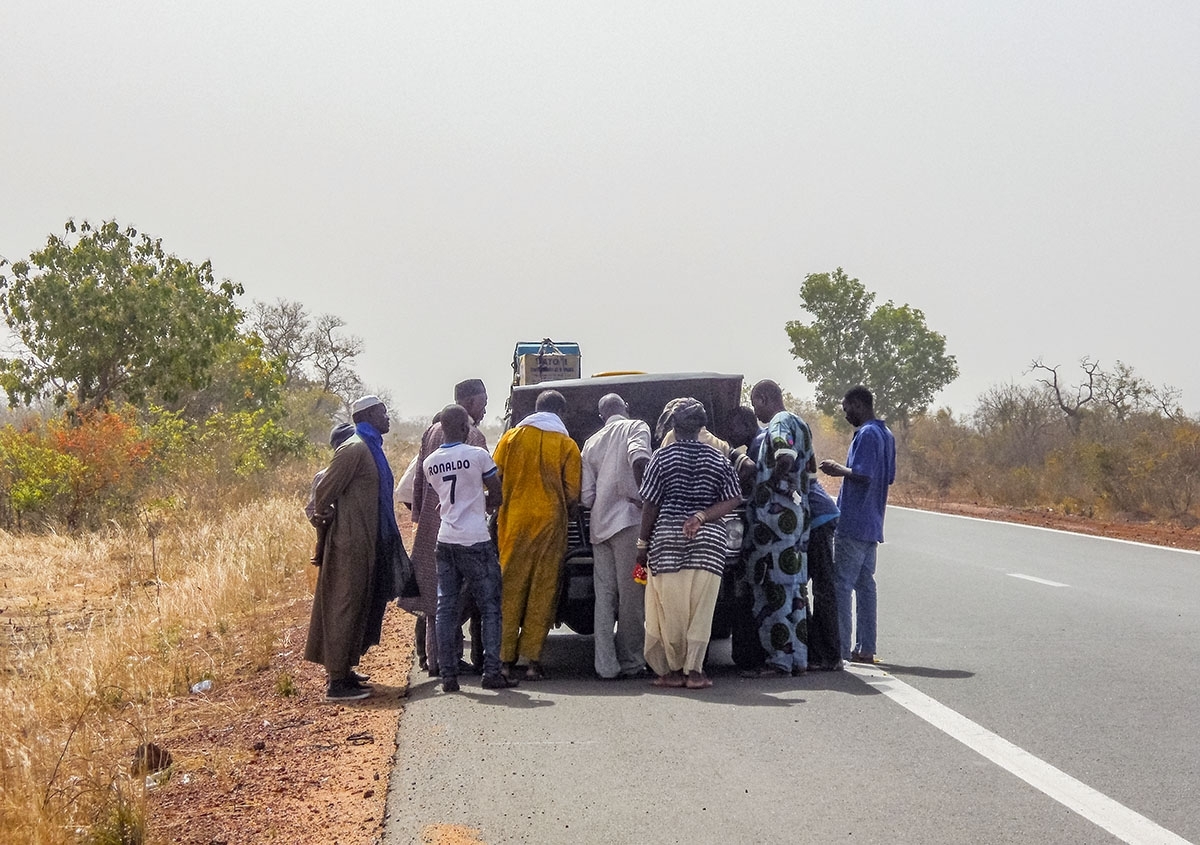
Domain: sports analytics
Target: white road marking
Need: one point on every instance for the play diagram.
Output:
(1051, 530)
(1075, 795)
(1037, 580)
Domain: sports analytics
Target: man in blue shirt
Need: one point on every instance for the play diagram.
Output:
(869, 471)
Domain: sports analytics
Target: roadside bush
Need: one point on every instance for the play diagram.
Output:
(1145, 466)
(33, 476)
(938, 456)
(1018, 449)
(80, 472)
(110, 453)
(71, 473)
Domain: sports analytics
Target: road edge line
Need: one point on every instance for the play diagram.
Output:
(1107, 813)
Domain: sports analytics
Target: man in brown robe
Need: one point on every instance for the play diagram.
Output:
(349, 588)
(471, 395)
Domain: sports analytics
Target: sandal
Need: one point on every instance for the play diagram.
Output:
(674, 680)
(702, 682)
(535, 672)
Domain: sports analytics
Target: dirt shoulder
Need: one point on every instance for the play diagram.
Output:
(254, 765)
(263, 757)
(1147, 531)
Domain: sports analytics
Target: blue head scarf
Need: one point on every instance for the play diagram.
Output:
(389, 532)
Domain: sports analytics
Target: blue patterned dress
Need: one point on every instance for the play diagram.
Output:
(779, 523)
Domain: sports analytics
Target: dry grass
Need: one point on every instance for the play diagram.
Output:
(103, 633)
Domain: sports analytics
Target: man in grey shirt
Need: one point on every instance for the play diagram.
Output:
(614, 460)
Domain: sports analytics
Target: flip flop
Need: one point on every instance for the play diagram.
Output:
(535, 673)
(668, 681)
(869, 659)
(700, 683)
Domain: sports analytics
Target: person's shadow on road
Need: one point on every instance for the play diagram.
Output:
(925, 671)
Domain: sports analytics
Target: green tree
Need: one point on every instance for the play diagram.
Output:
(104, 313)
(888, 348)
(243, 378)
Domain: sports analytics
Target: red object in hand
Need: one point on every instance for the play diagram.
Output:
(639, 574)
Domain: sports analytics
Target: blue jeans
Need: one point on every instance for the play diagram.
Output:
(478, 566)
(854, 569)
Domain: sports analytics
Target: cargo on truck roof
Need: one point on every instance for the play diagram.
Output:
(545, 360)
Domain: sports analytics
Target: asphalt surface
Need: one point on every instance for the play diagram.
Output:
(986, 678)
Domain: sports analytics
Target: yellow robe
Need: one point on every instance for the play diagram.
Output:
(540, 476)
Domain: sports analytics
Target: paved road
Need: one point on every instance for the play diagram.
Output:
(1086, 690)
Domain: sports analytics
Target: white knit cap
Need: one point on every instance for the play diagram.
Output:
(364, 403)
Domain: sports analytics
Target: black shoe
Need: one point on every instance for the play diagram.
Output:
(498, 681)
(359, 677)
(346, 690)
(450, 685)
(465, 668)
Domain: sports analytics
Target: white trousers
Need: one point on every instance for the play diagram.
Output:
(620, 602)
(679, 612)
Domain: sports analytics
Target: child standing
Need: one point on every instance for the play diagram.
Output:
(467, 483)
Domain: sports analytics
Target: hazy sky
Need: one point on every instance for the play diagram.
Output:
(650, 180)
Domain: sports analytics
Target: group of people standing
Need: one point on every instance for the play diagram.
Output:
(691, 484)
(531, 483)
(661, 513)
(796, 533)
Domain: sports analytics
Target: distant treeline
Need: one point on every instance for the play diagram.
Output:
(1128, 454)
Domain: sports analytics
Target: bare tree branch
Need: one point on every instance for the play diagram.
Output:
(1084, 394)
(285, 328)
(333, 354)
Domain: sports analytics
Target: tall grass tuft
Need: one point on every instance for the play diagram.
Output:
(101, 632)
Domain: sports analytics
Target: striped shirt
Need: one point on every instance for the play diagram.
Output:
(682, 478)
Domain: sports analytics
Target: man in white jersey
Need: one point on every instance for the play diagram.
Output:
(468, 486)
